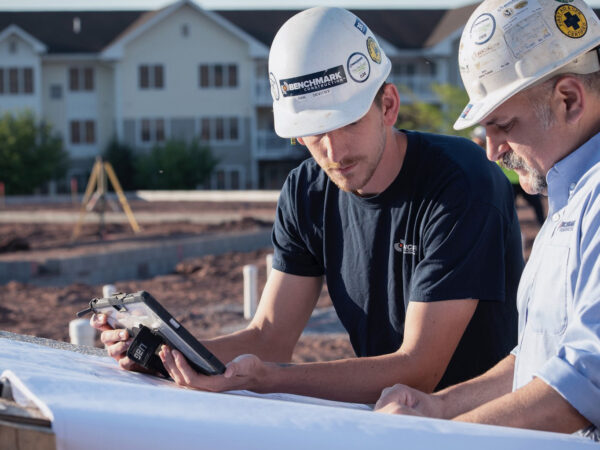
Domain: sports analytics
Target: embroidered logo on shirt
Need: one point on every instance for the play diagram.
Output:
(566, 226)
(406, 249)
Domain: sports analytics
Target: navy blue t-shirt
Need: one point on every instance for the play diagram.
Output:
(446, 228)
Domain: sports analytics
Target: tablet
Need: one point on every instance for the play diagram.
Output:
(143, 316)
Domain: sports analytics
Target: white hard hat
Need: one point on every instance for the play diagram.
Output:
(325, 68)
(507, 46)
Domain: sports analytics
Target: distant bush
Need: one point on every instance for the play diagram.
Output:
(176, 165)
(122, 158)
(30, 154)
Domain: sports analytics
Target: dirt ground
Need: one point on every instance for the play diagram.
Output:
(204, 294)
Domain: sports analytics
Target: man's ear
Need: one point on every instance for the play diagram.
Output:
(390, 104)
(570, 93)
(300, 141)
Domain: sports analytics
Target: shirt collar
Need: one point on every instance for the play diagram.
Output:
(563, 177)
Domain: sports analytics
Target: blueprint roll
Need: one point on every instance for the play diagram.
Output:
(108, 290)
(81, 332)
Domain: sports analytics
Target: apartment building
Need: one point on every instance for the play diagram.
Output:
(183, 72)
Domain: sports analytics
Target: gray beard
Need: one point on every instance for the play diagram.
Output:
(538, 181)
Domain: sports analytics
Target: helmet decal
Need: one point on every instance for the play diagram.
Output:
(359, 24)
(313, 82)
(570, 21)
(374, 51)
(358, 67)
(483, 28)
(274, 87)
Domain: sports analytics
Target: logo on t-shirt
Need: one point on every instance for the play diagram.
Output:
(406, 249)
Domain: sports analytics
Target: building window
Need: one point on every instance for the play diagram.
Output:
(55, 91)
(88, 79)
(220, 179)
(90, 132)
(235, 180)
(75, 132)
(185, 30)
(16, 80)
(12, 47)
(204, 81)
(28, 80)
(232, 75)
(218, 75)
(220, 129)
(152, 131)
(227, 178)
(81, 79)
(205, 129)
(82, 131)
(233, 128)
(13, 80)
(151, 76)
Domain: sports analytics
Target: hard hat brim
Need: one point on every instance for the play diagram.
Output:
(475, 111)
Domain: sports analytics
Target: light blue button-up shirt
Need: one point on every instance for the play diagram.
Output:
(559, 292)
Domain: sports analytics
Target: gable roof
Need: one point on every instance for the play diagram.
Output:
(453, 20)
(55, 28)
(148, 20)
(403, 28)
(37, 46)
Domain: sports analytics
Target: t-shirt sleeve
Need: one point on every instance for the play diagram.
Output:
(463, 244)
(290, 235)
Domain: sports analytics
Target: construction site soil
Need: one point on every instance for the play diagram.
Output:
(205, 294)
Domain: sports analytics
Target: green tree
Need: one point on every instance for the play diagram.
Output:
(30, 154)
(176, 165)
(121, 157)
(435, 118)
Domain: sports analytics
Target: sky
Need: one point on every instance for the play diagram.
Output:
(231, 4)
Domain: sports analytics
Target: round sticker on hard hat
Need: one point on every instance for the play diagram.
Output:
(483, 28)
(570, 21)
(373, 49)
(274, 87)
(358, 67)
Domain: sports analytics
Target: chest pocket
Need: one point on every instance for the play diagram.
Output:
(547, 309)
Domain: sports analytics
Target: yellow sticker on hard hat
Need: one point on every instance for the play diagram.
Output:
(373, 49)
(571, 21)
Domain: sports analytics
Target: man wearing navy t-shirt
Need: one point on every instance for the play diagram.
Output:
(416, 235)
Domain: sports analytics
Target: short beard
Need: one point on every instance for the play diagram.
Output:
(512, 162)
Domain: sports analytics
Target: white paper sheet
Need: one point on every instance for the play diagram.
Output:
(95, 405)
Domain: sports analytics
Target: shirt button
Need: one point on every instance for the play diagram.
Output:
(555, 217)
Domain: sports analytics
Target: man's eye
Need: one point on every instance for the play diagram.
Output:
(507, 126)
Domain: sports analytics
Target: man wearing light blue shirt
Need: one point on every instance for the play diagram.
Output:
(539, 99)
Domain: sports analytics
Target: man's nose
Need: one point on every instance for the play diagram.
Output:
(335, 147)
(495, 147)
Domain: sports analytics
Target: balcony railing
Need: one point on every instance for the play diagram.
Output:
(271, 146)
(417, 87)
(262, 92)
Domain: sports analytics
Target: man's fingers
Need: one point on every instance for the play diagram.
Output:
(166, 355)
(110, 336)
(189, 375)
(127, 364)
(99, 322)
(117, 349)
